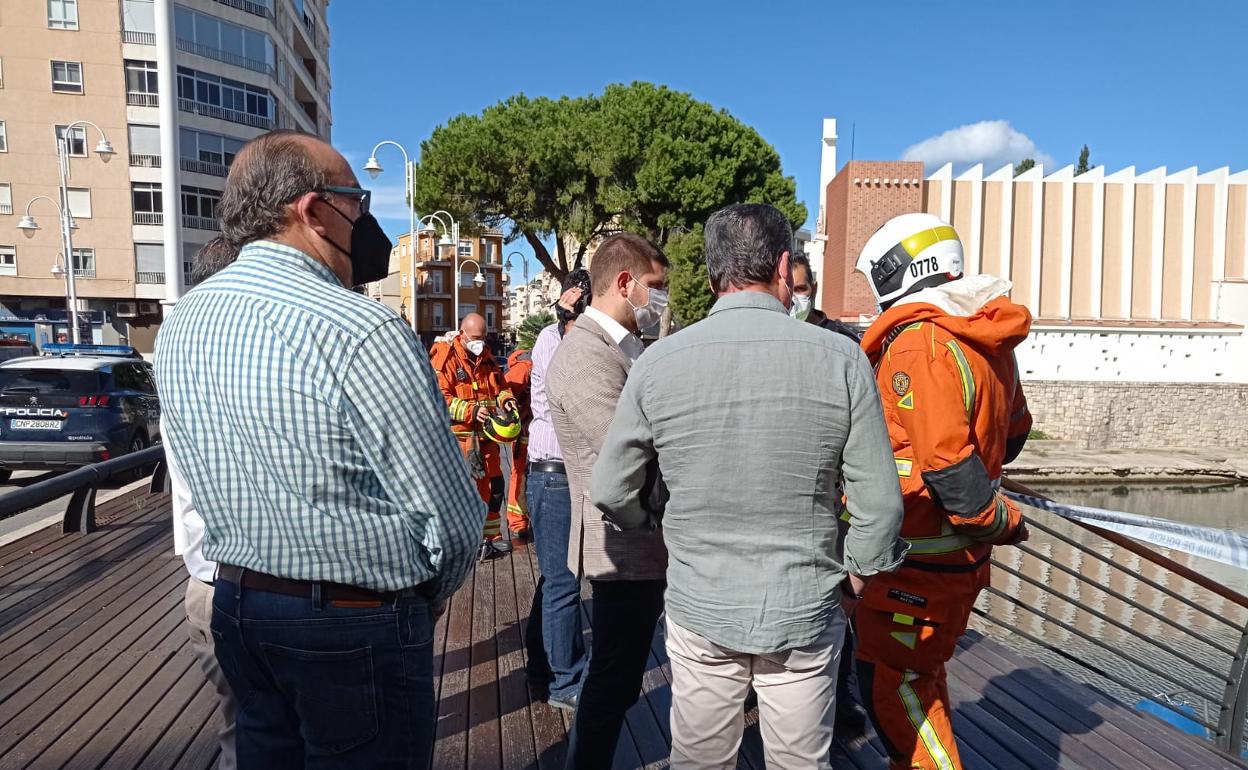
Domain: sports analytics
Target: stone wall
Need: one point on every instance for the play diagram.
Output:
(1134, 415)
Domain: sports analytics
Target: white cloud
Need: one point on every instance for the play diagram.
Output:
(991, 142)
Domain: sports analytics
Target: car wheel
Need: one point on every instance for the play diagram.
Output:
(5, 475)
(138, 442)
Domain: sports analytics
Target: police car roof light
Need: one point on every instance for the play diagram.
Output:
(66, 349)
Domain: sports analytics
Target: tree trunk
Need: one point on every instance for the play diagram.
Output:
(543, 256)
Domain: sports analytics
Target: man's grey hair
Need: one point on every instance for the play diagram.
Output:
(268, 173)
(212, 257)
(744, 243)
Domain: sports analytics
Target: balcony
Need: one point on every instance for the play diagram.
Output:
(149, 276)
(139, 99)
(201, 223)
(138, 160)
(255, 9)
(142, 38)
(222, 113)
(208, 52)
(203, 167)
(6, 208)
(84, 272)
(149, 218)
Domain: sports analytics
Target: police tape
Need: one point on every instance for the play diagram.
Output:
(1221, 545)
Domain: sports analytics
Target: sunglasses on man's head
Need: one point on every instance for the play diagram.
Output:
(363, 195)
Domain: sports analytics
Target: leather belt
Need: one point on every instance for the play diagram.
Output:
(333, 593)
(548, 466)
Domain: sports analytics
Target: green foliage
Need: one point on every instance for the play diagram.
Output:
(1083, 161)
(1039, 435)
(1024, 165)
(638, 157)
(526, 335)
(687, 280)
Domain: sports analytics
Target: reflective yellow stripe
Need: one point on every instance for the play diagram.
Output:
(964, 371)
(904, 467)
(947, 541)
(918, 718)
(921, 240)
(905, 620)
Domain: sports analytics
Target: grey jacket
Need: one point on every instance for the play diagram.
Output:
(758, 422)
(583, 385)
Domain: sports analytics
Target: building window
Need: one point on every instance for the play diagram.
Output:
(207, 153)
(67, 77)
(465, 279)
(465, 249)
(142, 83)
(8, 260)
(6, 198)
(146, 202)
(199, 207)
(489, 285)
(149, 263)
(84, 263)
(138, 20)
(4, 138)
(144, 146)
(489, 318)
(223, 98)
(79, 202)
(439, 318)
(215, 38)
(76, 141)
(63, 14)
(489, 251)
(436, 280)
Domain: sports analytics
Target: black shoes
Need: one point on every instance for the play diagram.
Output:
(567, 704)
(491, 549)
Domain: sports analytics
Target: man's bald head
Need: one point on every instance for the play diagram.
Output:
(473, 327)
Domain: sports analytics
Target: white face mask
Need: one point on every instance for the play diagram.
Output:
(475, 347)
(801, 307)
(649, 314)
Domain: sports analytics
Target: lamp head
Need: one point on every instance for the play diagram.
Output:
(479, 280)
(105, 150)
(28, 226)
(445, 240)
(373, 167)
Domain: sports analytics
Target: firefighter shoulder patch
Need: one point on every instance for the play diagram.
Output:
(901, 383)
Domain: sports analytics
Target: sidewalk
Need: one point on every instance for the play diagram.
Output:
(1063, 460)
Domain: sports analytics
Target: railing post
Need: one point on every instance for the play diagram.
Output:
(1234, 701)
(80, 515)
(160, 478)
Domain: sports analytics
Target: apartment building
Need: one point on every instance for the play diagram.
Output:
(436, 268)
(243, 67)
(535, 297)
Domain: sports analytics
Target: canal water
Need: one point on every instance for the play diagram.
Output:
(1107, 617)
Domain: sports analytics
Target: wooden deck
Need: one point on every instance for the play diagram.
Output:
(96, 671)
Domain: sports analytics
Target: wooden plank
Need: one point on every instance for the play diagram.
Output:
(202, 751)
(516, 725)
(105, 627)
(163, 723)
(1180, 748)
(49, 537)
(451, 740)
(484, 741)
(47, 705)
(1000, 736)
(1078, 726)
(549, 727)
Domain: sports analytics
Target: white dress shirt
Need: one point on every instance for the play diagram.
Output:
(629, 343)
(188, 525)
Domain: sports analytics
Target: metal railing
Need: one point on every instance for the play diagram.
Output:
(149, 218)
(255, 9)
(201, 223)
(82, 484)
(1125, 619)
(141, 160)
(204, 167)
(225, 57)
(142, 38)
(140, 99)
(84, 272)
(6, 208)
(221, 113)
(149, 276)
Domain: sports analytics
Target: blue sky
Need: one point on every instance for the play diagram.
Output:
(1142, 82)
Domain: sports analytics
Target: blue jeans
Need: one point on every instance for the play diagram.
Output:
(324, 686)
(555, 620)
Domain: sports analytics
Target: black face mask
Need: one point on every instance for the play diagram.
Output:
(370, 249)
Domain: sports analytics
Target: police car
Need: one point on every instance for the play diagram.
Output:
(75, 405)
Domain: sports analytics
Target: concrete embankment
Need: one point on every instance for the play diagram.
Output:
(1065, 461)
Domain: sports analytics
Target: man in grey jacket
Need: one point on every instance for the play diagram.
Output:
(758, 423)
(625, 569)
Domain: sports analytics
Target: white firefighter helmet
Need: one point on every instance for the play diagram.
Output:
(908, 253)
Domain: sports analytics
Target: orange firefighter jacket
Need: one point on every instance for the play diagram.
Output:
(956, 413)
(519, 372)
(467, 383)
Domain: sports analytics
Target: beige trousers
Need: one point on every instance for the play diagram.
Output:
(199, 626)
(796, 701)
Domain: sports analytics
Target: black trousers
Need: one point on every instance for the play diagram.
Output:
(624, 613)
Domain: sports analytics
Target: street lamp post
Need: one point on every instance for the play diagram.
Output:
(450, 237)
(524, 259)
(104, 149)
(29, 226)
(479, 280)
(374, 168)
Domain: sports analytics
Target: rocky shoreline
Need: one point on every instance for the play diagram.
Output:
(1066, 461)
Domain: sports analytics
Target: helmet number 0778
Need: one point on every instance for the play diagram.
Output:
(925, 266)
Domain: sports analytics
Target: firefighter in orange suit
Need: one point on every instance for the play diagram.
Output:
(519, 368)
(943, 351)
(472, 383)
